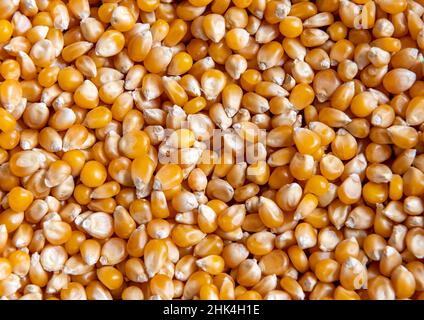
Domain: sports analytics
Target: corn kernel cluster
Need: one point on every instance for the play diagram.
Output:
(316, 191)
